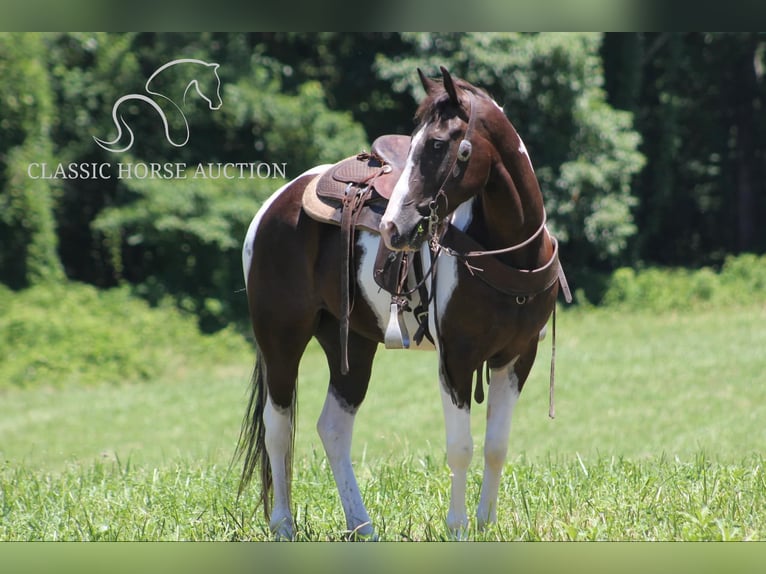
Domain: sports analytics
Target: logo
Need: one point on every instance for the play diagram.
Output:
(198, 74)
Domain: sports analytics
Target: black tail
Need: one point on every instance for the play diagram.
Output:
(252, 436)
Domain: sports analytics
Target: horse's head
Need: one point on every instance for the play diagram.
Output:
(449, 161)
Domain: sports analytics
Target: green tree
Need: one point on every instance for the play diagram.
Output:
(182, 238)
(551, 87)
(28, 239)
(698, 101)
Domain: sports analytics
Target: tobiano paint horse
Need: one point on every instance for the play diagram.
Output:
(469, 202)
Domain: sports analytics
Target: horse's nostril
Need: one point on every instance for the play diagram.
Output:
(389, 232)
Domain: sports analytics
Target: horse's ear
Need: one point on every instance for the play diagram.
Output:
(449, 85)
(428, 83)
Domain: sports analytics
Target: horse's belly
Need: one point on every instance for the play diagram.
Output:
(378, 299)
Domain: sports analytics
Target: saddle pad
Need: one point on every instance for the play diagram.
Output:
(328, 211)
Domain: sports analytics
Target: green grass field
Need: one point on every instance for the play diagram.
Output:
(659, 435)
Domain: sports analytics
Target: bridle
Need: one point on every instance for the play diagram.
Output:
(436, 224)
(461, 157)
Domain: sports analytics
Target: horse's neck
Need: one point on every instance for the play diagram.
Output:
(511, 203)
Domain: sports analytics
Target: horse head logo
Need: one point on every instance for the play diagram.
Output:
(195, 71)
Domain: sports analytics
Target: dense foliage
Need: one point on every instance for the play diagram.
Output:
(53, 335)
(649, 147)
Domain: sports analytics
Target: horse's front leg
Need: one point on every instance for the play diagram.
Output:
(457, 422)
(503, 395)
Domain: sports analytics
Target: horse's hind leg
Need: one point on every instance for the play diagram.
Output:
(336, 423)
(281, 353)
(279, 424)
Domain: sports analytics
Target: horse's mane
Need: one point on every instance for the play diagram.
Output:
(433, 104)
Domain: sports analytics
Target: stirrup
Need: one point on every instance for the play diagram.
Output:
(396, 336)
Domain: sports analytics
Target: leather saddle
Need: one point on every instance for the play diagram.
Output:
(359, 186)
(353, 194)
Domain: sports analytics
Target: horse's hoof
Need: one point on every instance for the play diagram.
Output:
(363, 533)
(459, 534)
(458, 531)
(282, 530)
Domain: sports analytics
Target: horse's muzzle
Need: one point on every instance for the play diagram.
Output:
(398, 241)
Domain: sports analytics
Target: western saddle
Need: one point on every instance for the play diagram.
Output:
(353, 194)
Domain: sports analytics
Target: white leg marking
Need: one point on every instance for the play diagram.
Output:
(278, 425)
(247, 247)
(403, 185)
(503, 395)
(335, 427)
(457, 423)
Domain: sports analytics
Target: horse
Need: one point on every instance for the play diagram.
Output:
(195, 70)
(469, 203)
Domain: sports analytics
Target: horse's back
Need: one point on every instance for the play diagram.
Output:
(278, 214)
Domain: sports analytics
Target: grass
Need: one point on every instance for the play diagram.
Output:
(611, 499)
(658, 436)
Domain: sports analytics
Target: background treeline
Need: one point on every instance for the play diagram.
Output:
(650, 147)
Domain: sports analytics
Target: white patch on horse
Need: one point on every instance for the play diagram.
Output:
(523, 151)
(335, 427)
(378, 299)
(503, 396)
(463, 215)
(394, 207)
(446, 268)
(247, 247)
(278, 424)
(457, 423)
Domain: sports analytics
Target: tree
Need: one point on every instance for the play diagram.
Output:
(698, 100)
(28, 239)
(551, 87)
(181, 238)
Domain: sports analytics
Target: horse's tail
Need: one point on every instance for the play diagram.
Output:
(252, 437)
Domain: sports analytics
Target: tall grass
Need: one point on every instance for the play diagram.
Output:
(608, 499)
